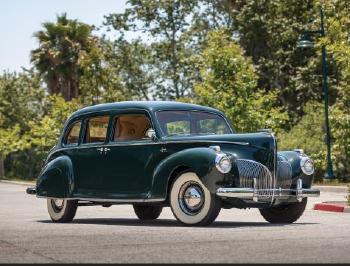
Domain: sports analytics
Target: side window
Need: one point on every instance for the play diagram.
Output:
(212, 126)
(72, 137)
(96, 129)
(178, 127)
(131, 127)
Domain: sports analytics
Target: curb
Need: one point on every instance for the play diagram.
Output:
(332, 207)
(18, 182)
(336, 189)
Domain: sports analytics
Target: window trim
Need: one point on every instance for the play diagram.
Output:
(67, 131)
(86, 121)
(190, 110)
(135, 112)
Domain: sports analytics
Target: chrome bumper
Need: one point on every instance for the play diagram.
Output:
(254, 194)
(31, 190)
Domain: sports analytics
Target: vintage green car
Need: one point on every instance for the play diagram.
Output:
(162, 153)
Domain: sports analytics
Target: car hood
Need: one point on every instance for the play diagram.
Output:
(260, 147)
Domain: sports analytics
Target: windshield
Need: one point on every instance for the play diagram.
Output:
(182, 123)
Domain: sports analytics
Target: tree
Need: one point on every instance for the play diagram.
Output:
(101, 80)
(165, 22)
(63, 46)
(268, 31)
(133, 63)
(45, 130)
(21, 98)
(230, 84)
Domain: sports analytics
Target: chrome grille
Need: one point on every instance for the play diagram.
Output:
(284, 175)
(257, 176)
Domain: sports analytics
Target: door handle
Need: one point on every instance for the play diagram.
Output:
(107, 150)
(100, 150)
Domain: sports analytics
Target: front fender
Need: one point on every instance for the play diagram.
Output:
(56, 180)
(199, 160)
(294, 159)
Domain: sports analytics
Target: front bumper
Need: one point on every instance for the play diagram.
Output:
(255, 194)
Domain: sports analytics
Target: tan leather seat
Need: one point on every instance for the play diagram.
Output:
(131, 127)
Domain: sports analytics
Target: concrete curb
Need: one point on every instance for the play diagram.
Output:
(337, 189)
(332, 207)
(26, 183)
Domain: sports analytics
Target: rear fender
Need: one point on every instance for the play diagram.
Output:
(56, 180)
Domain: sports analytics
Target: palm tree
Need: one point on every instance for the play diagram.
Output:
(62, 47)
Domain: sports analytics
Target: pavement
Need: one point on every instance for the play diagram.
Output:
(114, 235)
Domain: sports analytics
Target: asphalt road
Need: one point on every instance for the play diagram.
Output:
(114, 235)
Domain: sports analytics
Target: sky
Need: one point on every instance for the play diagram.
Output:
(19, 19)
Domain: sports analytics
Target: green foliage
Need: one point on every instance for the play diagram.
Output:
(10, 140)
(229, 84)
(132, 61)
(100, 79)
(238, 56)
(44, 132)
(340, 127)
(66, 50)
(167, 23)
(308, 135)
(268, 31)
(20, 100)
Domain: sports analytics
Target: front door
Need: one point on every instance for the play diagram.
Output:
(131, 157)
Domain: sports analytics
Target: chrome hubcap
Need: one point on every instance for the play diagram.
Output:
(57, 204)
(191, 198)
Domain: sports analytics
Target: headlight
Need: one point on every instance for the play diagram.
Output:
(223, 163)
(307, 165)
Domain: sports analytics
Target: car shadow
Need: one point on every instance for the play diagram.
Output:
(171, 223)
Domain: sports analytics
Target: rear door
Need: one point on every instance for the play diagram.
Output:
(89, 159)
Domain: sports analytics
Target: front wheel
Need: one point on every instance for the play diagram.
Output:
(286, 213)
(144, 212)
(191, 202)
(62, 211)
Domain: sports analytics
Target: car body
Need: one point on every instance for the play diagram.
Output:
(160, 153)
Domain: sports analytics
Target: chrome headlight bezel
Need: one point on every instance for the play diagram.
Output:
(307, 165)
(223, 163)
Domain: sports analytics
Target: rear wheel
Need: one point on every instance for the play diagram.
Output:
(62, 211)
(286, 213)
(144, 212)
(191, 202)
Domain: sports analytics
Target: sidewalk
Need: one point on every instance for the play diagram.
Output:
(335, 200)
(26, 183)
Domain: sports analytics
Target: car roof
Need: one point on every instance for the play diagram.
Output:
(145, 105)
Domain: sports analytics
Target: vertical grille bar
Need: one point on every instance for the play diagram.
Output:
(265, 181)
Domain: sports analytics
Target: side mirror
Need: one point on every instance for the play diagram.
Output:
(151, 133)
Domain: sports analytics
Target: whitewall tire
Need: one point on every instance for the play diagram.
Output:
(191, 202)
(61, 211)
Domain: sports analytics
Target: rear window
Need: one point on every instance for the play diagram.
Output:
(72, 137)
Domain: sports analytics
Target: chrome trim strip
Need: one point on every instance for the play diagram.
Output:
(250, 193)
(114, 144)
(108, 200)
(206, 141)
